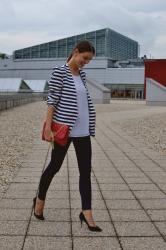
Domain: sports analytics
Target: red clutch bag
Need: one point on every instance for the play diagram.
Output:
(60, 131)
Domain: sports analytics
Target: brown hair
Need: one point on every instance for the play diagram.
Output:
(82, 46)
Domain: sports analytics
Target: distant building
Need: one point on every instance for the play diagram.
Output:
(107, 42)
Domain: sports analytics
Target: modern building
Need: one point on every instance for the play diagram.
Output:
(107, 43)
(116, 69)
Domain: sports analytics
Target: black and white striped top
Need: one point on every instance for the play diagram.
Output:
(62, 96)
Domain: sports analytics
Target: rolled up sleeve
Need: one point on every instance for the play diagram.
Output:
(55, 87)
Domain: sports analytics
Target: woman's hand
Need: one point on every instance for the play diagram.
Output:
(48, 134)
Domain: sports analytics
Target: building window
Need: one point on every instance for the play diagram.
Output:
(35, 52)
(53, 49)
(18, 54)
(44, 50)
(62, 48)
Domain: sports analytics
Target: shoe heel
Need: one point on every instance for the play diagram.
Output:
(91, 228)
(34, 202)
(81, 219)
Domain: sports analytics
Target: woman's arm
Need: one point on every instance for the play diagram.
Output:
(47, 131)
(50, 111)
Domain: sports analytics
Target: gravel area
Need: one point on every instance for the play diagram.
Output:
(18, 128)
(151, 129)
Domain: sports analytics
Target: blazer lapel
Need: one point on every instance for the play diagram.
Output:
(80, 72)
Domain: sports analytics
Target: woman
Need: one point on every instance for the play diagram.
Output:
(69, 102)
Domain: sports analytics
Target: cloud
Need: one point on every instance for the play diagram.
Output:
(146, 6)
(16, 41)
(26, 23)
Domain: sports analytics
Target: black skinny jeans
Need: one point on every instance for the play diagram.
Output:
(83, 151)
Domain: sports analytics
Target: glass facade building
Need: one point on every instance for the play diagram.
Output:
(107, 43)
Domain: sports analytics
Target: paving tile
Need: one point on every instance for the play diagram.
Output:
(147, 163)
(29, 174)
(16, 203)
(10, 242)
(44, 228)
(75, 186)
(157, 215)
(104, 173)
(96, 243)
(123, 204)
(116, 194)
(128, 215)
(14, 214)
(111, 186)
(153, 203)
(98, 214)
(110, 180)
(58, 194)
(50, 243)
(159, 179)
(22, 186)
(76, 180)
(162, 186)
(20, 194)
(55, 214)
(13, 227)
(58, 186)
(76, 195)
(31, 166)
(157, 174)
(57, 203)
(136, 229)
(96, 204)
(137, 180)
(105, 170)
(149, 194)
(27, 170)
(161, 226)
(146, 186)
(25, 179)
(127, 168)
(132, 174)
(161, 162)
(151, 168)
(141, 243)
(107, 229)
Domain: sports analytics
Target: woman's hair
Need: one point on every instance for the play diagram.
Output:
(82, 46)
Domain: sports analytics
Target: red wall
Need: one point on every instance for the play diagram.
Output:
(155, 69)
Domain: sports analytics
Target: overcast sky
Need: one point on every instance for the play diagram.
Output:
(29, 22)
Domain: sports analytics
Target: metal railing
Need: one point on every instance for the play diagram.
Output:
(13, 100)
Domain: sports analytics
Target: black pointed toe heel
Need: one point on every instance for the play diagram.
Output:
(40, 217)
(91, 228)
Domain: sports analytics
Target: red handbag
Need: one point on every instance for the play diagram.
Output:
(60, 131)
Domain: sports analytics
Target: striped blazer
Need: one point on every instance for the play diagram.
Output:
(62, 96)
